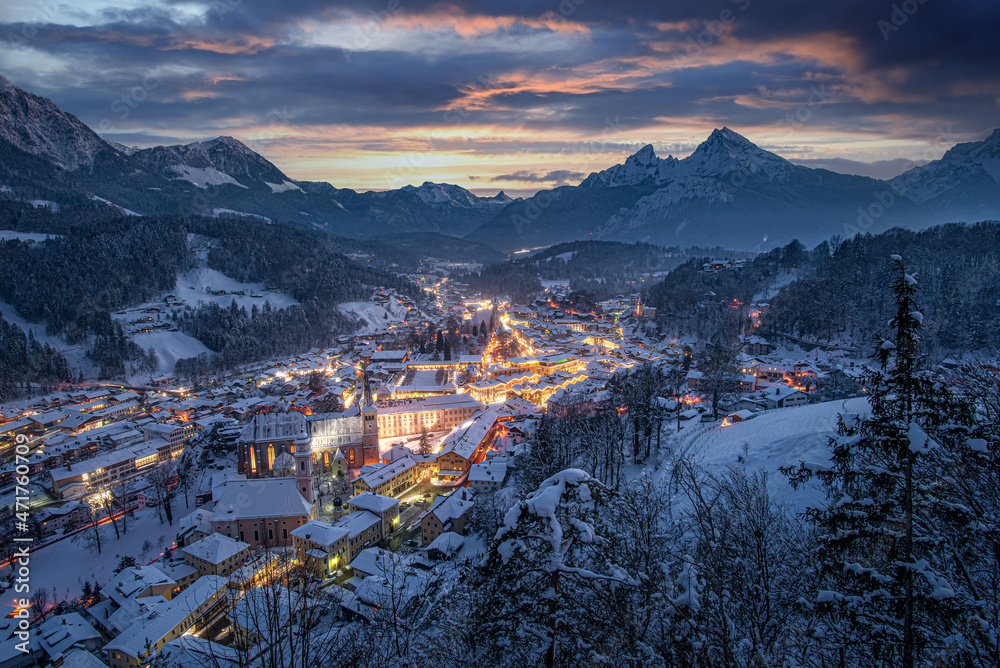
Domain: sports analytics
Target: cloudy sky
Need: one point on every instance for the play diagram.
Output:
(515, 94)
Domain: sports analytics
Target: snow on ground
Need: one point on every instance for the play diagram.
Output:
(63, 566)
(204, 176)
(282, 187)
(772, 439)
(5, 235)
(194, 286)
(780, 282)
(556, 283)
(375, 317)
(170, 346)
(216, 212)
(75, 355)
(127, 212)
(44, 204)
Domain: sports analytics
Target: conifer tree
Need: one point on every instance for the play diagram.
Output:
(889, 599)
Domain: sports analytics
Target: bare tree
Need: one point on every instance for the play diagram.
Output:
(717, 366)
(91, 535)
(162, 481)
(40, 600)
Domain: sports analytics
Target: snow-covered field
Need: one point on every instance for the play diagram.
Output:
(374, 316)
(63, 566)
(193, 286)
(770, 440)
(217, 212)
(170, 346)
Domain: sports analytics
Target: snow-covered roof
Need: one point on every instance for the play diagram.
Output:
(376, 503)
(275, 426)
(447, 543)
(466, 437)
(370, 561)
(260, 497)
(320, 532)
(778, 392)
(133, 581)
(453, 506)
(358, 522)
(154, 625)
(215, 548)
(59, 633)
(386, 472)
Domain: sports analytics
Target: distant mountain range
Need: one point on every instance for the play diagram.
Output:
(729, 192)
(732, 193)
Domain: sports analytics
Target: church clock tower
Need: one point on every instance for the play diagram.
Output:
(369, 422)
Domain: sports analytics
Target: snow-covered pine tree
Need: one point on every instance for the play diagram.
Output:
(889, 599)
(546, 577)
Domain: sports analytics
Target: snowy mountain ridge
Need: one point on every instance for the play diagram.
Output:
(449, 194)
(963, 164)
(37, 126)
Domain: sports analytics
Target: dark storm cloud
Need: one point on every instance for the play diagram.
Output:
(600, 70)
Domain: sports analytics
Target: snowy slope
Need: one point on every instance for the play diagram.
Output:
(76, 355)
(374, 316)
(448, 194)
(37, 126)
(964, 164)
(770, 440)
(170, 347)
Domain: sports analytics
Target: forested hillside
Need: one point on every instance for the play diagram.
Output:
(838, 291)
(691, 301)
(96, 263)
(847, 296)
(602, 268)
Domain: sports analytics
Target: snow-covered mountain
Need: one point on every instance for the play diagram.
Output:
(642, 167)
(970, 166)
(48, 154)
(728, 191)
(213, 163)
(452, 195)
(37, 126)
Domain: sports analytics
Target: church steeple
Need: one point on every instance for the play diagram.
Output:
(366, 398)
(369, 422)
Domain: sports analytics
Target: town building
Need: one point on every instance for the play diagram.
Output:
(448, 513)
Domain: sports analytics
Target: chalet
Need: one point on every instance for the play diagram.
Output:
(448, 513)
(781, 396)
